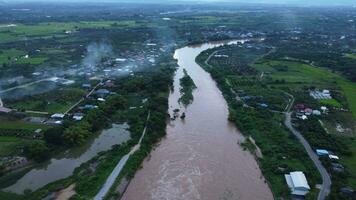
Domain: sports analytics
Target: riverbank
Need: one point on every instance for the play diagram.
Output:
(281, 151)
(152, 95)
(199, 158)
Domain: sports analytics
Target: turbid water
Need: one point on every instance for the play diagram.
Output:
(64, 164)
(200, 158)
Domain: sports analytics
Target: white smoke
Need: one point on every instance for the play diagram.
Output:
(96, 52)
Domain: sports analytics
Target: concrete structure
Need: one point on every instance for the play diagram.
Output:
(297, 183)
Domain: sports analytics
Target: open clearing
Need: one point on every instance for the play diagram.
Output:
(300, 74)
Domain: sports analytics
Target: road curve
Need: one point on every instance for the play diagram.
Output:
(325, 187)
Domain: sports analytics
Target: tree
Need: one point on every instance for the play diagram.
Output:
(76, 135)
(96, 119)
(37, 150)
(113, 104)
(54, 136)
(2, 169)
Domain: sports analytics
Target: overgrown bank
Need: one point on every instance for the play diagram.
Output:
(145, 92)
(281, 151)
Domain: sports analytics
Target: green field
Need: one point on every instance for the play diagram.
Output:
(349, 89)
(17, 57)
(8, 145)
(352, 56)
(330, 102)
(57, 101)
(350, 163)
(21, 31)
(19, 124)
(300, 74)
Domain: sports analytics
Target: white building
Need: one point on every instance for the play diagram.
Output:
(297, 183)
(58, 116)
(325, 94)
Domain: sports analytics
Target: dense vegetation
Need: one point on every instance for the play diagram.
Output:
(296, 40)
(281, 151)
(187, 87)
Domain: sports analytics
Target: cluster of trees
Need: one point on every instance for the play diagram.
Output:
(281, 150)
(187, 87)
(319, 139)
(95, 120)
(72, 133)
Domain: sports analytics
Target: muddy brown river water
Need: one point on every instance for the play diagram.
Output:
(200, 158)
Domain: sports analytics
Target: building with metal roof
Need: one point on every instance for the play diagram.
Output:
(298, 183)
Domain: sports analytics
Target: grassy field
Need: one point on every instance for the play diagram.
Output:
(18, 124)
(349, 89)
(352, 56)
(350, 163)
(331, 102)
(17, 57)
(21, 31)
(8, 145)
(57, 101)
(298, 74)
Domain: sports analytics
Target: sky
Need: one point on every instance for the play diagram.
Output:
(295, 2)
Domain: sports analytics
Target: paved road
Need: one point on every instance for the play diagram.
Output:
(325, 188)
(111, 179)
(115, 173)
(28, 84)
(82, 99)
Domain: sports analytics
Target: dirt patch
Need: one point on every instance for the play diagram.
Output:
(66, 193)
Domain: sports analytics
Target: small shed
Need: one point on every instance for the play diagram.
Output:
(322, 152)
(263, 105)
(316, 112)
(102, 92)
(58, 116)
(86, 85)
(333, 157)
(5, 110)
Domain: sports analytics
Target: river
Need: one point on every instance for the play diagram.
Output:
(63, 165)
(200, 158)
